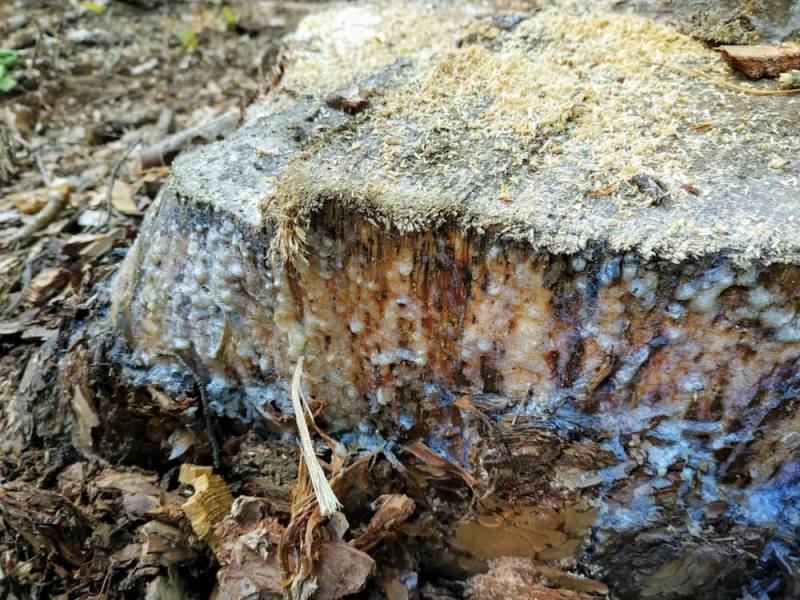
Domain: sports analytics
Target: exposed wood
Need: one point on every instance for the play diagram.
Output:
(163, 151)
(210, 502)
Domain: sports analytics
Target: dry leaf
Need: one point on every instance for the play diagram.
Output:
(46, 283)
(103, 244)
(122, 199)
(392, 510)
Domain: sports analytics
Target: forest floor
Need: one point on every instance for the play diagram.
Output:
(103, 92)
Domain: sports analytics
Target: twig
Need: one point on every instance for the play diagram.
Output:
(42, 169)
(327, 500)
(113, 177)
(216, 453)
(162, 151)
(55, 203)
(22, 564)
(726, 84)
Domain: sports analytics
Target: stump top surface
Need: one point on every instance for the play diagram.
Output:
(564, 126)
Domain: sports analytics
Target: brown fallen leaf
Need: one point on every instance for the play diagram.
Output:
(32, 201)
(47, 282)
(102, 245)
(122, 199)
(392, 510)
(341, 570)
(765, 60)
(427, 456)
(141, 494)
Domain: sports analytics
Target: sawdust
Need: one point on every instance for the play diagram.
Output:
(557, 70)
(537, 131)
(332, 47)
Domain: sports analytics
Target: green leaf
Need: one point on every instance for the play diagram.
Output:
(94, 7)
(230, 17)
(9, 58)
(188, 39)
(7, 83)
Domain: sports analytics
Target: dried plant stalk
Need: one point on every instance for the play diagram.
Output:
(327, 500)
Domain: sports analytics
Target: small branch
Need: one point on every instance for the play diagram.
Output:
(161, 152)
(113, 177)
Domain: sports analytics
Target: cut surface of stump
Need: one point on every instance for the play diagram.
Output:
(568, 270)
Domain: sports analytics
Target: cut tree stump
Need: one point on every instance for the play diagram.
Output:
(481, 286)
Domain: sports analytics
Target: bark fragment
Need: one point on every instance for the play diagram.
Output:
(46, 520)
(764, 60)
(523, 579)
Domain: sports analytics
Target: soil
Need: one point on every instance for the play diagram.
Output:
(97, 85)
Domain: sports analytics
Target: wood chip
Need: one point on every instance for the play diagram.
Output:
(210, 502)
(349, 98)
(765, 60)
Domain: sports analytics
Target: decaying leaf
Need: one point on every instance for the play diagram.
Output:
(103, 244)
(340, 570)
(140, 491)
(430, 459)
(45, 284)
(392, 510)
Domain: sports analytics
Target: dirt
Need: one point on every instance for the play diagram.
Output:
(98, 84)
